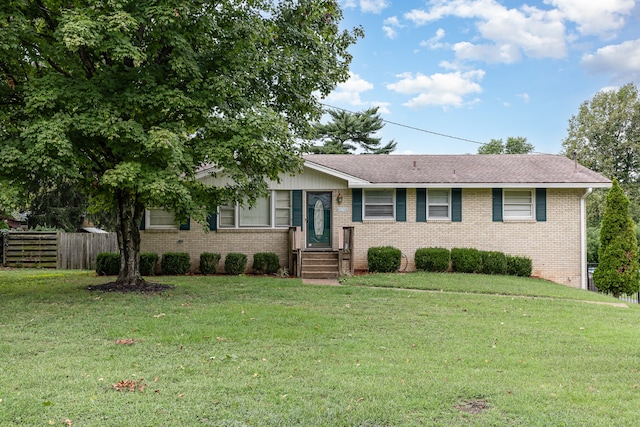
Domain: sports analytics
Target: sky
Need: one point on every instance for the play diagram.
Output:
(450, 75)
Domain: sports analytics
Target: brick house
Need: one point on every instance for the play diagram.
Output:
(532, 205)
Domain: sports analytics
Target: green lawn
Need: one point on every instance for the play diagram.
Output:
(247, 351)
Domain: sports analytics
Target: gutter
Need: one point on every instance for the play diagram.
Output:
(583, 238)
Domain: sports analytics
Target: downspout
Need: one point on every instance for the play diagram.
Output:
(583, 238)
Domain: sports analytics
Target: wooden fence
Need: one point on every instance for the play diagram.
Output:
(79, 250)
(56, 250)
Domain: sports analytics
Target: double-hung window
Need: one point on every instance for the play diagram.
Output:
(518, 204)
(438, 204)
(160, 219)
(271, 211)
(379, 204)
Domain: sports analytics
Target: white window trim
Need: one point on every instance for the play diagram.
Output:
(147, 222)
(439, 218)
(379, 218)
(272, 219)
(514, 217)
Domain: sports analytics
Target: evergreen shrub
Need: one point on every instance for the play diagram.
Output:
(148, 263)
(266, 263)
(519, 266)
(432, 259)
(384, 259)
(108, 264)
(209, 262)
(235, 263)
(493, 262)
(175, 263)
(466, 260)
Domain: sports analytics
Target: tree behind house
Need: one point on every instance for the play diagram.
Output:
(348, 132)
(617, 271)
(514, 145)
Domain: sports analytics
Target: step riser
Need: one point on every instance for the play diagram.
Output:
(320, 265)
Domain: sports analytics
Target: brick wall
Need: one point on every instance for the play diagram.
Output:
(553, 246)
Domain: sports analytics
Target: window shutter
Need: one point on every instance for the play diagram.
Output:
(143, 223)
(212, 221)
(296, 208)
(497, 204)
(186, 225)
(356, 205)
(541, 204)
(421, 205)
(401, 204)
(456, 205)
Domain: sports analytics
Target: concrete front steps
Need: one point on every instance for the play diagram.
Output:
(320, 265)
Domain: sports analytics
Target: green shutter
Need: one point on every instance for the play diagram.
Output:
(212, 221)
(541, 204)
(296, 208)
(356, 205)
(497, 204)
(421, 205)
(186, 225)
(143, 223)
(401, 204)
(456, 204)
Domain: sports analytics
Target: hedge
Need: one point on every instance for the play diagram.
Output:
(235, 263)
(432, 259)
(384, 259)
(209, 262)
(265, 263)
(175, 263)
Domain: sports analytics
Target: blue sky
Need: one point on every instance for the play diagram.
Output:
(483, 69)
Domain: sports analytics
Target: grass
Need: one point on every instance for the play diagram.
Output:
(249, 351)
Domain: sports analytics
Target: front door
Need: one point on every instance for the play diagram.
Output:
(319, 220)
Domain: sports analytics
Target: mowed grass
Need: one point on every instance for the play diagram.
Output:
(249, 351)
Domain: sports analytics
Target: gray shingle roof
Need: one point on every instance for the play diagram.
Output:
(463, 170)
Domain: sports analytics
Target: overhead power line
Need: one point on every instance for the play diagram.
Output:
(444, 135)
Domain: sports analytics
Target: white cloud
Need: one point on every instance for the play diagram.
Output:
(506, 34)
(440, 89)
(622, 61)
(390, 26)
(524, 96)
(349, 91)
(349, 4)
(373, 6)
(594, 17)
(434, 42)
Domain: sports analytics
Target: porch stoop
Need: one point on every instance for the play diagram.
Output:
(320, 265)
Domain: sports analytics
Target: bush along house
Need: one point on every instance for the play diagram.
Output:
(322, 222)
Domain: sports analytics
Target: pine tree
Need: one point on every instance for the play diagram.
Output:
(617, 272)
(347, 131)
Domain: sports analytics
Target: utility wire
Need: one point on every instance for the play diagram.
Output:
(444, 135)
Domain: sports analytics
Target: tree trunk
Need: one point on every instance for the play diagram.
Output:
(129, 215)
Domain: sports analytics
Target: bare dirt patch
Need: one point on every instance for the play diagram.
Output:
(473, 406)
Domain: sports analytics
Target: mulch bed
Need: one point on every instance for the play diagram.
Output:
(143, 287)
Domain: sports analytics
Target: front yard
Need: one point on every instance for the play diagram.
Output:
(252, 351)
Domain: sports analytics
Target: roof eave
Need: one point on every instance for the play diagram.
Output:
(480, 185)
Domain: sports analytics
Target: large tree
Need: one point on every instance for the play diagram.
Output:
(605, 136)
(347, 132)
(514, 145)
(129, 98)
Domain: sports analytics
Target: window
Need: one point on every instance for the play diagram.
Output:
(379, 204)
(271, 211)
(438, 204)
(160, 219)
(518, 204)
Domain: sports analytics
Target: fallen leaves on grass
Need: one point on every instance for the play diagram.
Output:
(130, 385)
(128, 341)
(473, 406)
